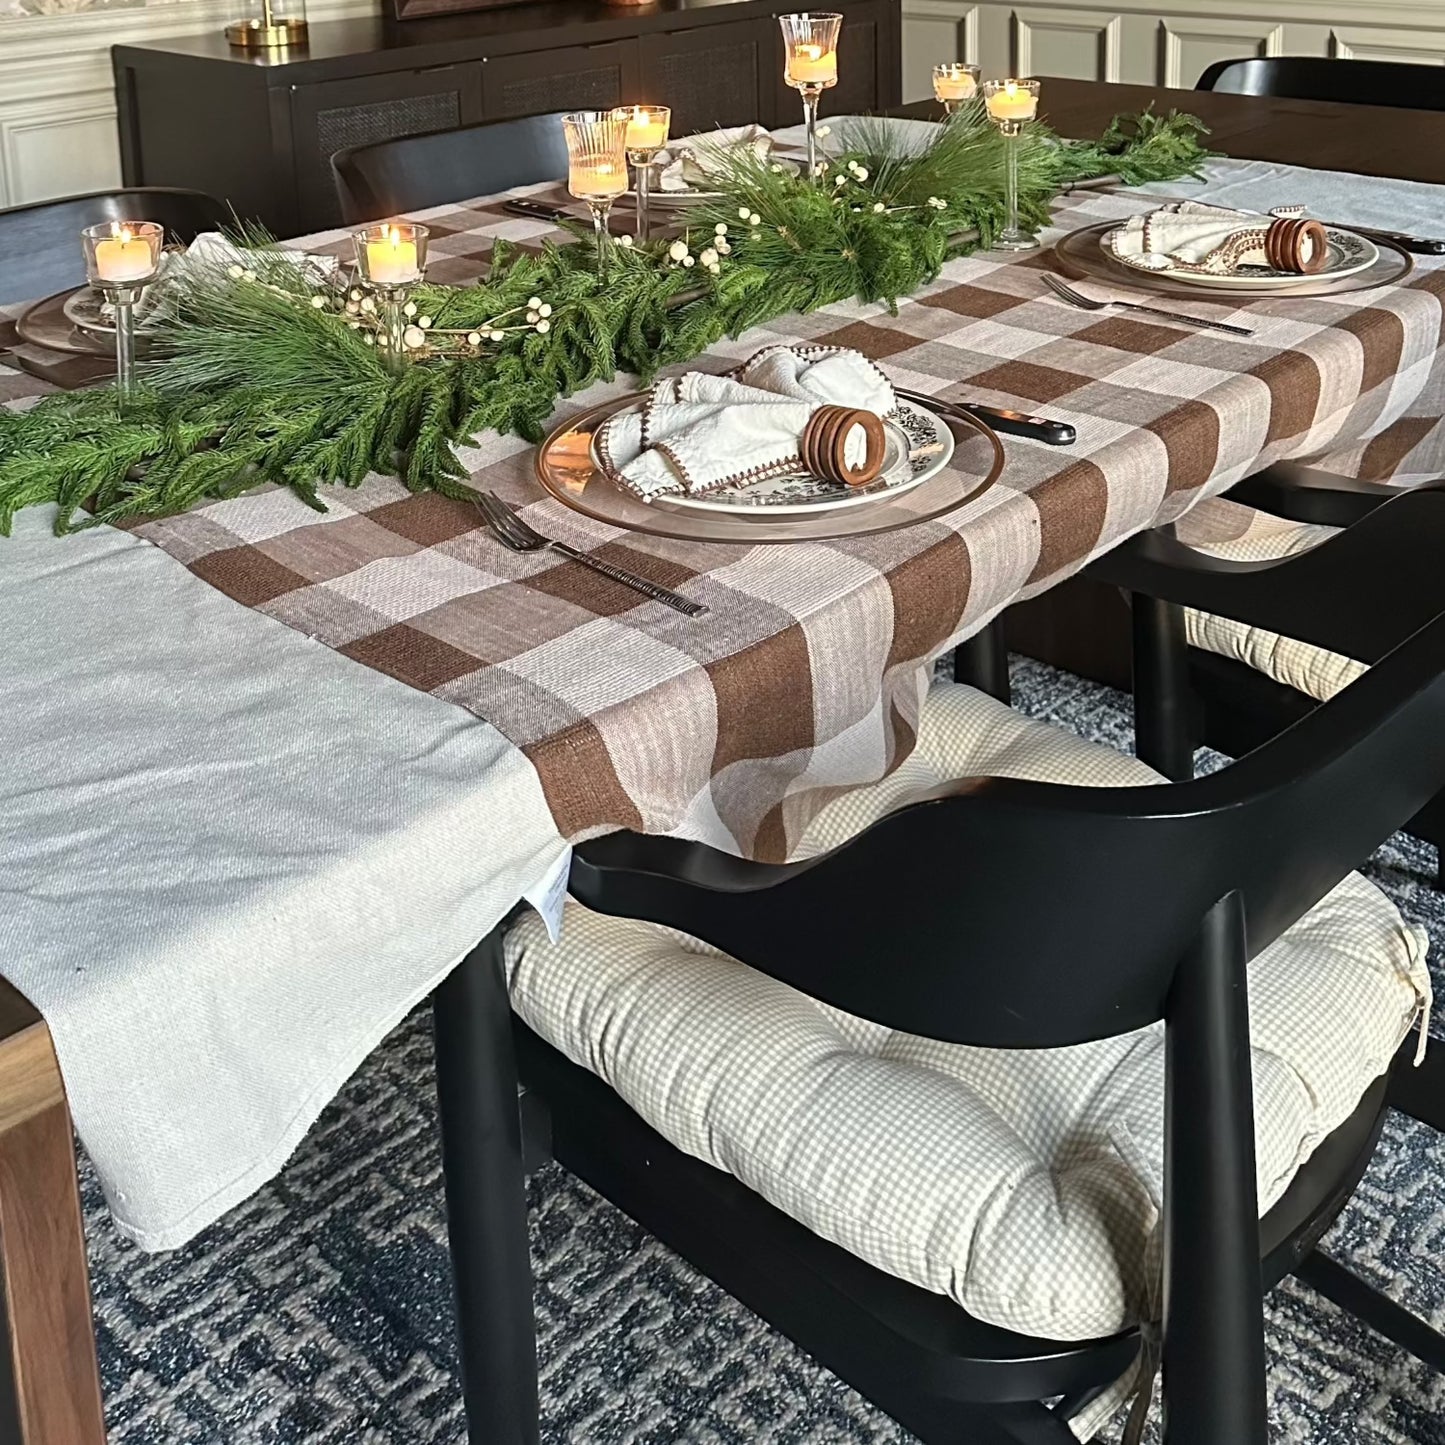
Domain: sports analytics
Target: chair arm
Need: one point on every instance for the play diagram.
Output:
(1359, 592)
(1305, 494)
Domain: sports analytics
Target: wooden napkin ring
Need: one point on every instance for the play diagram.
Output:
(823, 446)
(1296, 245)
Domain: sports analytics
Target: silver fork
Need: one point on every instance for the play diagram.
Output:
(1087, 303)
(518, 536)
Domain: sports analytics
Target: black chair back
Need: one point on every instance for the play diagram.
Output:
(417, 171)
(41, 242)
(1310, 77)
(1077, 903)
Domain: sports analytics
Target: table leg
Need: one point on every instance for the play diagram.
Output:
(486, 1198)
(49, 1379)
(981, 661)
(1162, 702)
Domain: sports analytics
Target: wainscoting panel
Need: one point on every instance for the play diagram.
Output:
(57, 93)
(1147, 43)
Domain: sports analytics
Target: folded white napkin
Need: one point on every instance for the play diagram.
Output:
(690, 162)
(696, 432)
(1195, 236)
(211, 248)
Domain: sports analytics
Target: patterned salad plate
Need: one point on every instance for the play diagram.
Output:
(799, 494)
(1349, 254)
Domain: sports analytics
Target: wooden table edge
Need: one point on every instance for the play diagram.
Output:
(49, 1376)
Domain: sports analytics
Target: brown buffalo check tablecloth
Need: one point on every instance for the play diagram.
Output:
(806, 674)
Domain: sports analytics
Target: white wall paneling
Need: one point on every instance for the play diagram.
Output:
(1157, 42)
(57, 94)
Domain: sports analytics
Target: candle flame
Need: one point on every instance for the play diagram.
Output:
(393, 236)
(121, 233)
(1010, 87)
(811, 52)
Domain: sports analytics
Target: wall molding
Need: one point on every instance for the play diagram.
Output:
(1103, 27)
(57, 90)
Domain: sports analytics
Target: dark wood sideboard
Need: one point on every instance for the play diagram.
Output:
(259, 130)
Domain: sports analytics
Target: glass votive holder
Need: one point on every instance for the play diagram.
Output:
(647, 131)
(1010, 105)
(810, 65)
(391, 253)
(597, 165)
(121, 258)
(954, 84)
(122, 253)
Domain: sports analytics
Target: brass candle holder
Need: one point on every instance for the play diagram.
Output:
(273, 29)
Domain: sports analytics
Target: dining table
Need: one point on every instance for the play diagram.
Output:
(277, 777)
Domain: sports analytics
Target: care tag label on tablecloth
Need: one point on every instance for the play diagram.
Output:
(549, 893)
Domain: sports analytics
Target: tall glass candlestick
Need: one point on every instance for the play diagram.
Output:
(810, 65)
(597, 166)
(121, 259)
(647, 127)
(1012, 103)
(954, 85)
(390, 260)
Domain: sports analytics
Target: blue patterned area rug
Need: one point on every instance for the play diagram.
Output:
(318, 1312)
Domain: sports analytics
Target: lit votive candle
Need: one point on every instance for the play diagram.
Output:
(391, 258)
(812, 64)
(596, 179)
(124, 256)
(646, 126)
(955, 82)
(1013, 100)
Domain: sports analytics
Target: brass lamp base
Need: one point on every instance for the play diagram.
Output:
(259, 35)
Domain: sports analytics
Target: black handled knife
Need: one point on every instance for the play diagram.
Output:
(1001, 419)
(536, 211)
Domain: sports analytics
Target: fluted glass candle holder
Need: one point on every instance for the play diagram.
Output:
(647, 128)
(121, 259)
(810, 65)
(954, 85)
(597, 166)
(1011, 105)
(390, 261)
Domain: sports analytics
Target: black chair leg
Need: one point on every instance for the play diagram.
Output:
(1213, 1354)
(1163, 727)
(981, 661)
(1419, 1091)
(1327, 1277)
(486, 1198)
(1031, 1424)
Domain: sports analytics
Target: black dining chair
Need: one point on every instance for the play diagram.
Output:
(1312, 77)
(416, 171)
(1259, 637)
(41, 241)
(1016, 905)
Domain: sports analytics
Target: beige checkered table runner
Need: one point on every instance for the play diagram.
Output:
(805, 677)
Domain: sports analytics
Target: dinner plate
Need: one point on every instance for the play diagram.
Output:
(1347, 255)
(565, 470)
(800, 494)
(1080, 254)
(49, 323)
(692, 197)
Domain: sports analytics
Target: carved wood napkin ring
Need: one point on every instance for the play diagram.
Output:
(824, 445)
(1296, 245)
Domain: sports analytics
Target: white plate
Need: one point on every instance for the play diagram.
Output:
(799, 494)
(1348, 254)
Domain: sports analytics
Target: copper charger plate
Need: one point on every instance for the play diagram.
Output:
(1080, 254)
(565, 470)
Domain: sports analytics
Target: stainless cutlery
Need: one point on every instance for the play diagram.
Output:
(519, 536)
(1000, 419)
(1087, 303)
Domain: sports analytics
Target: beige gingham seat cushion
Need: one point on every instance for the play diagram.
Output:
(1022, 1184)
(1312, 670)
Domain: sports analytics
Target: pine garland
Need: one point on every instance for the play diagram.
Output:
(270, 375)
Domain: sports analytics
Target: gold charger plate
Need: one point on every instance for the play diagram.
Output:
(565, 470)
(1081, 254)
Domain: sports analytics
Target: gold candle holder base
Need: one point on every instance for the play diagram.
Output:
(266, 35)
